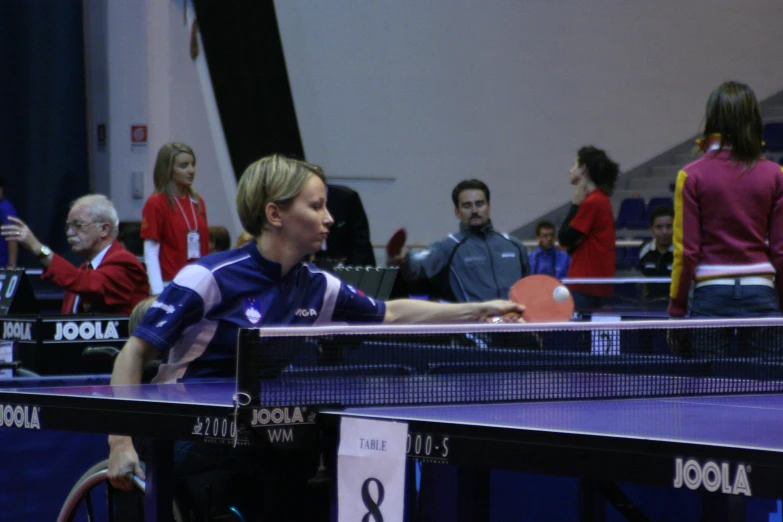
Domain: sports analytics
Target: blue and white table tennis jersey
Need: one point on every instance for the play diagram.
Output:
(194, 321)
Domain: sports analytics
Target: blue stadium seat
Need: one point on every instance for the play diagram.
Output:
(773, 136)
(632, 256)
(633, 214)
(620, 258)
(627, 257)
(656, 202)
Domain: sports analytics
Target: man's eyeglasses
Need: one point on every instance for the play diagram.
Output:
(77, 226)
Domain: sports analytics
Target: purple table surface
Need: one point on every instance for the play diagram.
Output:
(741, 421)
(738, 421)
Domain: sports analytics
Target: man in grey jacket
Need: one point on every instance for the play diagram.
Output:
(475, 264)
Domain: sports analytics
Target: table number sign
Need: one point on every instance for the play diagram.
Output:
(605, 342)
(371, 470)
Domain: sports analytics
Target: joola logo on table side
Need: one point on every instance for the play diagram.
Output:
(305, 312)
(17, 330)
(264, 416)
(20, 417)
(713, 476)
(86, 330)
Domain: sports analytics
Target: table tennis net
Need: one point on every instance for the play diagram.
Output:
(396, 365)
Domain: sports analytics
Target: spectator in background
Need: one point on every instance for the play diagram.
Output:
(729, 202)
(219, 239)
(243, 239)
(9, 250)
(588, 229)
(547, 259)
(656, 255)
(349, 238)
(174, 219)
(475, 264)
(112, 281)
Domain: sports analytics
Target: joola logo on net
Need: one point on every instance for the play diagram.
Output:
(264, 416)
(17, 330)
(20, 417)
(713, 476)
(86, 330)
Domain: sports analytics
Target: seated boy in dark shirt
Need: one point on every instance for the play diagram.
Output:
(655, 256)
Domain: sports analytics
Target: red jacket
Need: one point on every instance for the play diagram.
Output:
(723, 216)
(115, 287)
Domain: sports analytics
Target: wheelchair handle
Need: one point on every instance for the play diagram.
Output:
(100, 352)
(93, 479)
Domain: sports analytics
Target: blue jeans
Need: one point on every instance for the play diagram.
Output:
(737, 301)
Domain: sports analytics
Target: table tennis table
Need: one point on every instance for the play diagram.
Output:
(722, 444)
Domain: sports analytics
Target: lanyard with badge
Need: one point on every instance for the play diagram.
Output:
(194, 245)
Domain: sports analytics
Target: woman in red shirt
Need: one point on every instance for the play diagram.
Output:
(174, 219)
(588, 229)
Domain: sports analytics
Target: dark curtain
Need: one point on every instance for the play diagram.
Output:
(245, 58)
(43, 114)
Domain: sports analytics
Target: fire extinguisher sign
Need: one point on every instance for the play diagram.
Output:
(138, 137)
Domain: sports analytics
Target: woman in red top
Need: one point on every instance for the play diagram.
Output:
(174, 220)
(588, 229)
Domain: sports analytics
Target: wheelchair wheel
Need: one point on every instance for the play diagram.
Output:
(23, 372)
(94, 485)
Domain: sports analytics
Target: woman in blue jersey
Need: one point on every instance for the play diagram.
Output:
(282, 203)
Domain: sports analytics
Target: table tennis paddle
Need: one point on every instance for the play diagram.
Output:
(546, 299)
(396, 242)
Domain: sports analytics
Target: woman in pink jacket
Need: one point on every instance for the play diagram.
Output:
(727, 204)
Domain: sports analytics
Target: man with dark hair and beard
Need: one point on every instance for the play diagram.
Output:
(475, 264)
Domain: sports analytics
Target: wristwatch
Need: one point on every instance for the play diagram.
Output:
(44, 252)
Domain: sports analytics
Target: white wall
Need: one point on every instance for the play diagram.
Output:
(148, 77)
(434, 92)
(127, 90)
(116, 73)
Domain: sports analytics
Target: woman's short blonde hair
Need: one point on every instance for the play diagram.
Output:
(137, 314)
(272, 179)
(164, 168)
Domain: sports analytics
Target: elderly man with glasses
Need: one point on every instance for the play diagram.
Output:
(112, 280)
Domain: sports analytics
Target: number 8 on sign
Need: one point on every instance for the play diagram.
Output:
(373, 506)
